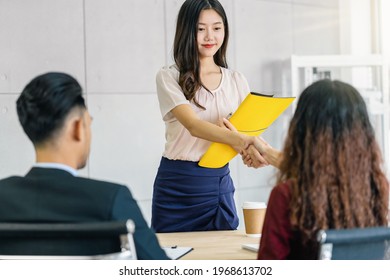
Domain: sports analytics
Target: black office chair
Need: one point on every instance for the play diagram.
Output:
(354, 244)
(95, 240)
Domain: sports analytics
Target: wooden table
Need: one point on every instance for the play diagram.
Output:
(211, 245)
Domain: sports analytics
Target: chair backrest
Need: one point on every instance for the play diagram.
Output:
(354, 244)
(92, 240)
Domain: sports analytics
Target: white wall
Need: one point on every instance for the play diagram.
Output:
(115, 47)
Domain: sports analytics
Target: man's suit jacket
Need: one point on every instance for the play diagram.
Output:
(54, 195)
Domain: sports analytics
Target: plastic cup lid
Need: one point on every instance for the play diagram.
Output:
(253, 205)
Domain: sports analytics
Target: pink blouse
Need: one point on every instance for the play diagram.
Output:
(225, 99)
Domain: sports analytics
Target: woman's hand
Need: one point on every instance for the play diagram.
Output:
(262, 146)
(253, 158)
(271, 155)
(250, 155)
(224, 122)
(245, 140)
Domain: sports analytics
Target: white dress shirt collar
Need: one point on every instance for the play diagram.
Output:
(56, 166)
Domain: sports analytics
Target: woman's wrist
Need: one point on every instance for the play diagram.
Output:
(241, 141)
(272, 156)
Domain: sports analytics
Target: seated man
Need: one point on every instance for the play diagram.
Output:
(53, 114)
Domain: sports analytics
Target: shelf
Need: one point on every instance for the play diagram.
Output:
(376, 95)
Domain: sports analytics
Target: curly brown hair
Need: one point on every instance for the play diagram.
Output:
(333, 162)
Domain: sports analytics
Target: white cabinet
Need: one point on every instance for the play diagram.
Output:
(369, 74)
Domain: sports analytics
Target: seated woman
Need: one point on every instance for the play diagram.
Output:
(330, 174)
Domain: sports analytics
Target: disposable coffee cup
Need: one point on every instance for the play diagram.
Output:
(254, 213)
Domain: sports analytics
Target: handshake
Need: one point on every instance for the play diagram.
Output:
(254, 150)
(260, 154)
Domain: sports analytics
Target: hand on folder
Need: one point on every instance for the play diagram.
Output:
(255, 114)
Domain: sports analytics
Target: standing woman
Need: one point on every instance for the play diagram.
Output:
(194, 95)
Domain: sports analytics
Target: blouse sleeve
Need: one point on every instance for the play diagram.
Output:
(242, 85)
(169, 92)
(276, 233)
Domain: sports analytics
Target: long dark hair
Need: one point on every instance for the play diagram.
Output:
(333, 162)
(185, 50)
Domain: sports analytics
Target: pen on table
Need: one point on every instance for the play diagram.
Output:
(174, 247)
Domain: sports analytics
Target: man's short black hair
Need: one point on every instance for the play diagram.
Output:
(45, 103)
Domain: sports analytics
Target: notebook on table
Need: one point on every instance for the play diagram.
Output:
(175, 252)
(251, 246)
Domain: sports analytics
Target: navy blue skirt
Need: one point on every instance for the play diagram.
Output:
(187, 197)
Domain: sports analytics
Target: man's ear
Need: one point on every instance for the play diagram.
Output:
(77, 129)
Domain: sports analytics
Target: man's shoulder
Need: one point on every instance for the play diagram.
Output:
(100, 189)
(63, 179)
(99, 183)
(9, 179)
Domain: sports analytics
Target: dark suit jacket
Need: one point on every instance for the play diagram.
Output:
(54, 195)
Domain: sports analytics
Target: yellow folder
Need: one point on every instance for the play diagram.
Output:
(255, 114)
